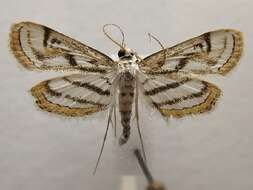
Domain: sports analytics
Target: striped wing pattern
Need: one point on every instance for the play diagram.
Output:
(178, 96)
(38, 47)
(165, 78)
(74, 95)
(214, 52)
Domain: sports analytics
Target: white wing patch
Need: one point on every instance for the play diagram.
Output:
(214, 52)
(75, 95)
(39, 47)
(178, 96)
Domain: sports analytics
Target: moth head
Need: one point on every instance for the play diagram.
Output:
(125, 53)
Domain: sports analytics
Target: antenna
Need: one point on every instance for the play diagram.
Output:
(158, 41)
(122, 44)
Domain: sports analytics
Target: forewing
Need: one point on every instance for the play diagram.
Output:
(178, 96)
(75, 95)
(39, 47)
(215, 52)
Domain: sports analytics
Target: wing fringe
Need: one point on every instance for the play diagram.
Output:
(16, 47)
(237, 52)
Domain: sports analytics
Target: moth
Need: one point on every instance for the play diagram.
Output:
(168, 79)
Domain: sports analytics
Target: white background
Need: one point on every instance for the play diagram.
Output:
(41, 151)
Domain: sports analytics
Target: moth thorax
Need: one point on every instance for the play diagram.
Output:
(127, 76)
(128, 68)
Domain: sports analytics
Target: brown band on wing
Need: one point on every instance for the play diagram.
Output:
(46, 35)
(159, 89)
(182, 63)
(41, 100)
(71, 59)
(88, 86)
(84, 101)
(147, 80)
(208, 42)
(55, 41)
(92, 69)
(48, 52)
(161, 72)
(205, 106)
(51, 91)
(93, 61)
(203, 91)
(75, 99)
(106, 79)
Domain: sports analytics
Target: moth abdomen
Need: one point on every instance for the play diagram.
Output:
(126, 96)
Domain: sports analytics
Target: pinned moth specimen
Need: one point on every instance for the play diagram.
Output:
(168, 79)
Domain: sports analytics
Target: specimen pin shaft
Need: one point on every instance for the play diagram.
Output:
(143, 166)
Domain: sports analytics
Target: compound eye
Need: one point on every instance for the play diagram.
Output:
(121, 53)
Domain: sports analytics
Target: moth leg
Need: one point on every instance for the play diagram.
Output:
(112, 124)
(137, 120)
(114, 92)
(111, 109)
(103, 144)
(115, 121)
